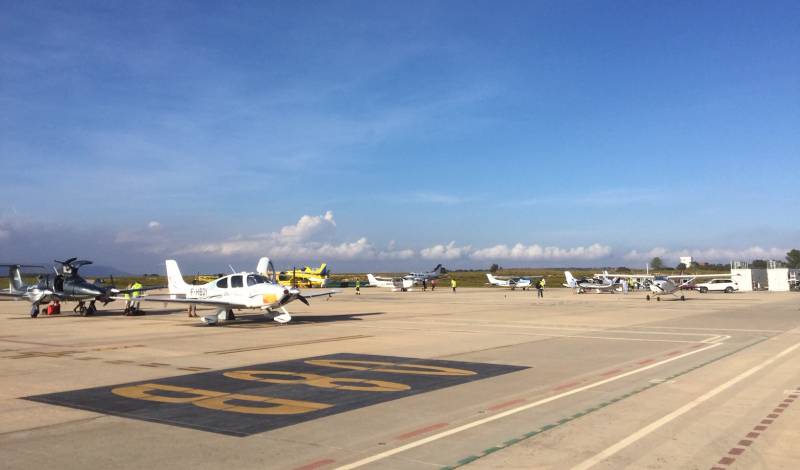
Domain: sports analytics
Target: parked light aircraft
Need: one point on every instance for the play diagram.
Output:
(67, 285)
(667, 285)
(395, 283)
(245, 290)
(437, 272)
(590, 285)
(523, 282)
(305, 277)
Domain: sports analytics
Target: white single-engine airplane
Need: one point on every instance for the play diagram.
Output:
(523, 282)
(590, 285)
(667, 285)
(240, 290)
(395, 283)
(417, 278)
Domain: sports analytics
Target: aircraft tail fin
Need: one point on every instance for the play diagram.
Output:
(438, 268)
(372, 280)
(15, 278)
(491, 278)
(571, 282)
(176, 283)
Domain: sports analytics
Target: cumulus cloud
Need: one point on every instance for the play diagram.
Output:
(309, 238)
(538, 252)
(709, 254)
(309, 226)
(154, 225)
(445, 252)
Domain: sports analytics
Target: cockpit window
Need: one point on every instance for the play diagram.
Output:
(253, 279)
(236, 281)
(223, 283)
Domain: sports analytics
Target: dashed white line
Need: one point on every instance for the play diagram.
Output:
(685, 408)
(456, 430)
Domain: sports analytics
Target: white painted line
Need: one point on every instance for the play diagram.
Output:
(685, 408)
(464, 427)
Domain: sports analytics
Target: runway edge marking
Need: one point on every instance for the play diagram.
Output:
(450, 432)
(588, 463)
(602, 405)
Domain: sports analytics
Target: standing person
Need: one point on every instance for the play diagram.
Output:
(433, 285)
(453, 285)
(135, 297)
(540, 289)
(192, 310)
(358, 286)
(128, 298)
(424, 285)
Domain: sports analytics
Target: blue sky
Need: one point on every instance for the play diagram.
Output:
(395, 135)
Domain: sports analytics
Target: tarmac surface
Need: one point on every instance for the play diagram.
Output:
(484, 378)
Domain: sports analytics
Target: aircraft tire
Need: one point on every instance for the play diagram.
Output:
(648, 297)
(34, 311)
(683, 297)
(658, 299)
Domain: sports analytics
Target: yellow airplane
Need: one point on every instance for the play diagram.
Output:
(306, 277)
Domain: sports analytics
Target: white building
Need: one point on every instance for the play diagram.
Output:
(687, 261)
(780, 278)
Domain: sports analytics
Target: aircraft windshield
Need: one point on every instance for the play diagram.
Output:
(253, 279)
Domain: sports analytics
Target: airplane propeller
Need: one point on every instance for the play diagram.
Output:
(292, 294)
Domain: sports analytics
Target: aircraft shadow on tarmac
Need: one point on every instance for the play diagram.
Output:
(257, 321)
(68, 313)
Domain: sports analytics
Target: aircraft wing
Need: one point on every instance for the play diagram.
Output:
(628, 276)
(698, 276)
(141, 289)
(320, 294)
(8, 293)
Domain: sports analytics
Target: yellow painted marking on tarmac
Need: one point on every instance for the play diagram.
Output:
(143, 392)
(214, 400)
(279, 406)
(321, 381)
(390, 367)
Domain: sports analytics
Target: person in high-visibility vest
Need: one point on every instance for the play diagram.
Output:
(358, 286)
(453, 285)
(135, 294)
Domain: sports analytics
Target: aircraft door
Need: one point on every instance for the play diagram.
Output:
(58, 283)
(237, 286)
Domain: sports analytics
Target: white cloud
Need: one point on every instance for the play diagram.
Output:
(445, 252)
(538, 252)
(307, 239)
(309, 226)
(154, 225)
(709, 254)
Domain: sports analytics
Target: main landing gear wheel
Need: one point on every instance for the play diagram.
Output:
(683, 297)
(648, 297)
(658, 298)
(91, 309)
(34, 310)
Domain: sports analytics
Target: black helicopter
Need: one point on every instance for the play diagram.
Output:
(66, 285)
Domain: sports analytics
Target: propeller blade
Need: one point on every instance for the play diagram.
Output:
(302, 299)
